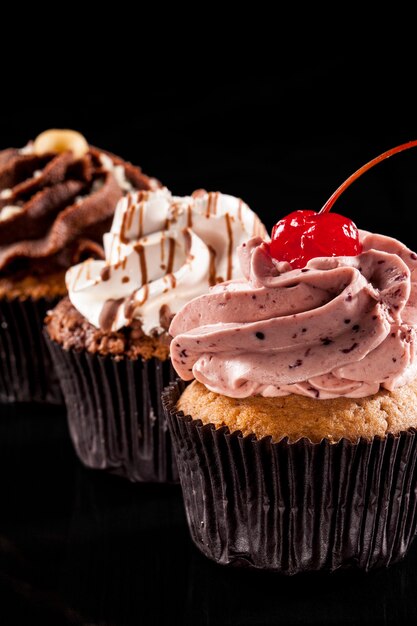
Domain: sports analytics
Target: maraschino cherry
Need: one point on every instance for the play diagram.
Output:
(304, 235)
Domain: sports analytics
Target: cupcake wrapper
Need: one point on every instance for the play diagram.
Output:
(26, 369)
(115, 415)
(295, 507)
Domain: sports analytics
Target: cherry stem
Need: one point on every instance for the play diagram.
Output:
(330, 202)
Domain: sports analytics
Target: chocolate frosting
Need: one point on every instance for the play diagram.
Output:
(58, 207)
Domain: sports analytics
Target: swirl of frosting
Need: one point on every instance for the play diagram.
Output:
(341, 326)
(55, 207)
(161, 251)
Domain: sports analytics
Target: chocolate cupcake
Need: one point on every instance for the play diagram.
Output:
(109, 338)
(57, 199)
(296, 441)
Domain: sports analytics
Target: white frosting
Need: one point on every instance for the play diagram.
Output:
(118, 172)
(9, 211)
(161, 250)
(27, 149)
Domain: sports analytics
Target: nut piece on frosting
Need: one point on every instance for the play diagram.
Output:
(60, 140)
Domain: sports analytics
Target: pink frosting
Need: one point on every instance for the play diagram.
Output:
(341, 326)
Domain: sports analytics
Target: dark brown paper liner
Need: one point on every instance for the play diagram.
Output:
(26, 368)
(115, 415)
(295, 507)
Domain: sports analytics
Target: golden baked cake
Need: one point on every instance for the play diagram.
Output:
(294, 416)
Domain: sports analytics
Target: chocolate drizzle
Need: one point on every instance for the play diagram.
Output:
(66, 205)
(212, 200)
(171, 255)
(173, 280)
(144, 272)
(239, 211)
(189, 216)
(212, 268)
(130, 305)
(188, 242)
(77, 277)
(165, 316)
(108, 314)
(129, 214)
(127, 219)
(140, 230)
(105, 273)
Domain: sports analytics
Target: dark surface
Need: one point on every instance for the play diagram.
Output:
(80, 546)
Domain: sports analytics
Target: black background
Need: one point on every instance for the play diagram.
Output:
(83, 547)
(282, 134)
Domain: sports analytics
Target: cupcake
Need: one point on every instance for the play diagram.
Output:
(109, 337)
(294, 415)
(57, 199)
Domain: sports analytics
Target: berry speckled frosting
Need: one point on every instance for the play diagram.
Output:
(340, 326)
(325, 311)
